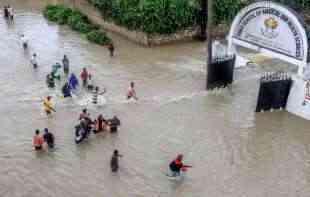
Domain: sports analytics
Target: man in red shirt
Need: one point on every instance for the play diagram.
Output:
(176, 166)
(84, 76)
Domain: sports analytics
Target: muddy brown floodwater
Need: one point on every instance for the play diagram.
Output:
(235, 152)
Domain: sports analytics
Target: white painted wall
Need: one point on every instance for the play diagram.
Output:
(296, 99)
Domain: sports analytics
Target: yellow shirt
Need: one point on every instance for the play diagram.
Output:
(47, 105)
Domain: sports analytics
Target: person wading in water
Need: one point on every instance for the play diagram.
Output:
(38, 140)
(47, 104)
(96, 93)
(84, 77)
(131, 93)
(11, 13)
(49, 138)
(114, 161)
(6, 12)
(33, 61)
(65, 63)
(176, 166)
(24, 40)
(111, 49)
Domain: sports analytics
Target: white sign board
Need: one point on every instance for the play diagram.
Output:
(276, 31)
(272, 29)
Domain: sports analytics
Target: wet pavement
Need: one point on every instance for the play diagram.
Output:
(235, 152)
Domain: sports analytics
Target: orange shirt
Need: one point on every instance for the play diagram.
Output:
(38, 140)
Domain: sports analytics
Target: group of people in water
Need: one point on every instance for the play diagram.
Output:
(8, 13)
(86, 125)
(72, 84)
(100, 124)
(39, 140)
(82, 131)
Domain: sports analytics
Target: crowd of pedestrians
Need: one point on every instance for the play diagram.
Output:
(86, 124)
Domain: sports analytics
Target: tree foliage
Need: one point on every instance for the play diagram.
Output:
(226, 10)
(154, 16)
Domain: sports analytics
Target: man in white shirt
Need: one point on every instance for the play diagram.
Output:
(90, 84)
(24, 40)
(11, 13)
(33, 60)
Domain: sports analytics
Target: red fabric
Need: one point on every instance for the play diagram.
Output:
(84, 75)
(37, 140)
(178, 163)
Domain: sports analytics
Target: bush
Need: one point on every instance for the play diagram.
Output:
(150, 16)
(62, 15)
(98, 37)
(169, 16)
(50, 12)
(77, 21)
(74, 19)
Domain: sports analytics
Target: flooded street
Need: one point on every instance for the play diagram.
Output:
(234, 151)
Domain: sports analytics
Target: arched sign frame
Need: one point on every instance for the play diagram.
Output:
(295, 47)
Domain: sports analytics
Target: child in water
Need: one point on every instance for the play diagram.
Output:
(131, 93)
(37, 140)
(114, 161)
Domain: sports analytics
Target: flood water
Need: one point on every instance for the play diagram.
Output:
(234, 151)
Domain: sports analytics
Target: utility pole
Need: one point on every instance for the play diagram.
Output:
(209, 36)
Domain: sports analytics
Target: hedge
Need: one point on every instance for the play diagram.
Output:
(150, 16)
(169, 16)
(77, 21)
